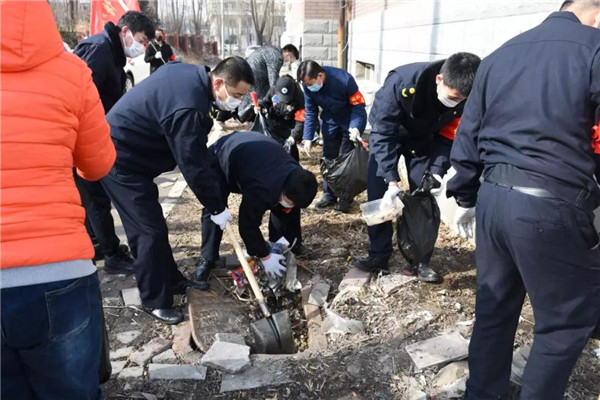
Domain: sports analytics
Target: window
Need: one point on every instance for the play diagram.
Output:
(365, 71)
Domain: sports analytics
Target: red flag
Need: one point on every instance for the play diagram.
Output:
(103, 11)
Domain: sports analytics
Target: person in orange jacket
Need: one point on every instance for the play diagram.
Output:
(51, 120)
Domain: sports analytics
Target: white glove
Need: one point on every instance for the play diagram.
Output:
(436, 192)
(307, 146)
(222, 218)
(464, 222)
(390, 198)
(273, 264)
(354, 134)
(158, 55)
(290, 141)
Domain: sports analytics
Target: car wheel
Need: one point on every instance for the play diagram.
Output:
(129, 83)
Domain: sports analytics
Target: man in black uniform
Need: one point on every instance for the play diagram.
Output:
(105, 54)
(158, 52)
(527, 128)
(415, 114)
(162, 123)
(268, 179)
(284, 106)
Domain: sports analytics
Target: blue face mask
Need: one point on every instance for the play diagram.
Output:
(315, 88)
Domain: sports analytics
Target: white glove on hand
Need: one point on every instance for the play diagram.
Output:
(222, 218)
(307, 146)
(464, 222)
(290, 141)
(354, 134)
(256, 110)
(273, 264)
(441, 189)
(390, 197)
(158, 55)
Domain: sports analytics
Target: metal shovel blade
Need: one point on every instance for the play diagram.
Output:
(273, 335)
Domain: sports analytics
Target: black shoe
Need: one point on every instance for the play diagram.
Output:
(426, 274)
(203, 271)
(182, 286)
(169, 316)
(120, 263)
(304, 253)
(325, 203)
(372, 264)
(343, 206)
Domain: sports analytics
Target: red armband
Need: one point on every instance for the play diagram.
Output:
(300, 115)
(357, 99)
(449, 131)
(596, 139)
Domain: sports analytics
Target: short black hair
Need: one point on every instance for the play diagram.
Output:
(292, 49)
(310, 69)
(566, 5)
(301, 187)
(138, 22)
(459, 71)
(233, 70)
(160, 30)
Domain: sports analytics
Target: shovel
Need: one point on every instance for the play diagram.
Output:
(272, 334)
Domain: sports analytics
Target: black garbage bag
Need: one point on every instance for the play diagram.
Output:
(347, 174)
(262, 126)
(419, 223)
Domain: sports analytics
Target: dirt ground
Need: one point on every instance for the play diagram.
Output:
(370, 365)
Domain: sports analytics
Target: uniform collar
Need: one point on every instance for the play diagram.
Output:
(425, 99)
(111, 31)
(564, 14)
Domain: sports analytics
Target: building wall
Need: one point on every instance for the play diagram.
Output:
(386, 34)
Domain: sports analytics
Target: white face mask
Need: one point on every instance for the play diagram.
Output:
(136, 49)
(285, 204)
(443, 99)
(230, 104)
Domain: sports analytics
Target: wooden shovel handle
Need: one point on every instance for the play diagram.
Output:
(247, 270)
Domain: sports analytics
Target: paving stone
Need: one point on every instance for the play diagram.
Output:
(176, 372)
(229, 357)
(266, 370)
(145, 353)
(123, 352)
(230, 338)
(438, 350)
(131, 297)
(132, 373)
(354, 278)
(451, 373)
(390, 284)
(166, 357)
(128, 337)
(316, 337)
(117, 367)
(318, 295)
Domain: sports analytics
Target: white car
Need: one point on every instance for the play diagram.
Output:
(136, 70)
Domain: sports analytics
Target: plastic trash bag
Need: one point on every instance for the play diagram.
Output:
(347, 174)
(260, 126)
(419, 223)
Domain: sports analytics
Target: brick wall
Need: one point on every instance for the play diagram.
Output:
(322, 9)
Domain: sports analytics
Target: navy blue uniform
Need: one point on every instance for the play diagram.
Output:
(527, 128)
(407, 119)
(257, 167)
(342, 107)
(161, 123)
(103, 53)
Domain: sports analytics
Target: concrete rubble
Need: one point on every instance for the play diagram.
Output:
(166, 357)
(438, 350)
(266, 370)
(128, 337)
(145, 353)
(131, 297)
(176, 372)
(228, 357)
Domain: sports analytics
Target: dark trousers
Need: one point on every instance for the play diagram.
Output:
(99, 220)
(336, 142)
(280, 224)
(545, 248)
(51, 340)
(380, 236)
(135, 197)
